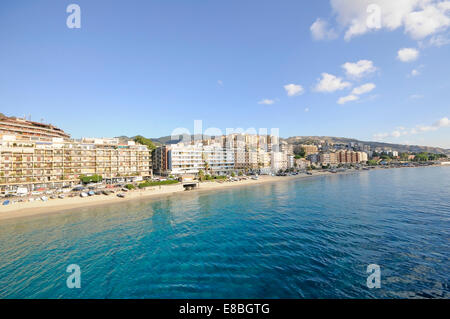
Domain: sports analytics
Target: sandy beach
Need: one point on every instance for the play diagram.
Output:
(27, 209)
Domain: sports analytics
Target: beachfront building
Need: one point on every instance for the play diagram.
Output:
(290, 161)
(218, 159)
(278, 161)
(328, 158)
(160, 160)
(43, 162)
(184, 159)
(22, 127)
(350, 157)
(302, 163)
(180, 159)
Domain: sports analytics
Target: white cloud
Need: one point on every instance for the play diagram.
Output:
(320, 30)
(407, 54)
(416, 97)
(356, 92)
(365, 88)
(443, 122)
(266, 102)
(331, 83)
(294, 89)
(359, 69)
(220, 82)
(418, 18)
(432, 19)
(347, 98)
(307, 109)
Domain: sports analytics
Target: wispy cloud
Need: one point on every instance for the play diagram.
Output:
(266, 102)
(320, 30)
(401, 131)
(348, 98)
(416, 96)
(356, 92)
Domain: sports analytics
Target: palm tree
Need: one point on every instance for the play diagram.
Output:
(207, 167)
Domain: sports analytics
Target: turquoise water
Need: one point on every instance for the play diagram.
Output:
(310, 238)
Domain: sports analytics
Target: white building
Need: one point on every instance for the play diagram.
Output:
(190, 159)
(278, 161)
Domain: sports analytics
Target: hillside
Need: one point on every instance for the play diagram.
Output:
(331, 139)
(342, 140)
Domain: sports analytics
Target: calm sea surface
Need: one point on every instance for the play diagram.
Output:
(310, 238)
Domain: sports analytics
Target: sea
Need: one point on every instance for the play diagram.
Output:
(370, 234)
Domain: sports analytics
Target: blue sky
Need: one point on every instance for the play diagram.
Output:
(148, 67)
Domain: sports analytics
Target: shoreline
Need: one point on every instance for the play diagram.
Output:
(54, 206)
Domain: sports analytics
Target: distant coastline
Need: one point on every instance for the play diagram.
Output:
(56, 206)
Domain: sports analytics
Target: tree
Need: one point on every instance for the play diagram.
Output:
(206, 167)
(404, 156)
(201, 175)
(421, 157)
(145, 141)
(299, 152)
(233, 174)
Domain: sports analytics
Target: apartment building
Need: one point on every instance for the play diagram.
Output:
(351, 157)
(180, 159)
(218, 160)
(302, 163)
(35, 162)
(310, 149)
(278, 161)
(328, 158)
(160, 158)
(17, 126)
(184, 159)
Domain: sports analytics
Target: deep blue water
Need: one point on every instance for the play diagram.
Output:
(310, 238)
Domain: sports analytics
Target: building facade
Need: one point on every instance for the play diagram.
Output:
(52, 162)
(22, 127)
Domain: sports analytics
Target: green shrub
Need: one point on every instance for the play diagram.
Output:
(130, 186)
(157, 183)
(91, 179)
